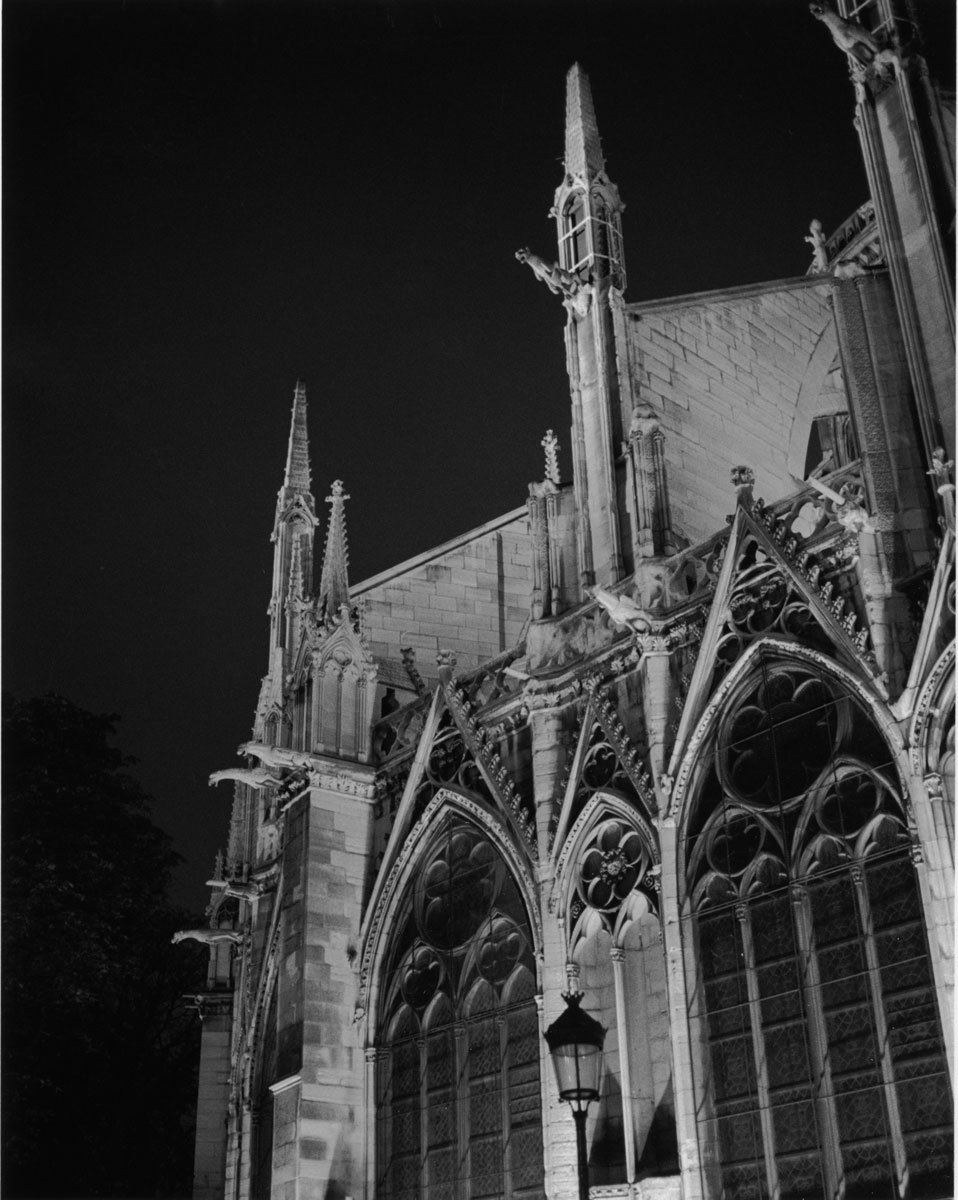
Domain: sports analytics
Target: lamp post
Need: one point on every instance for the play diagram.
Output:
(575, 1045)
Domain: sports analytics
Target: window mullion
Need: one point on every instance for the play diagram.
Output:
(628, 1118)
(881, 1029)
(818, 1044)
(423, 1114)
(503, 1028)
(461, 1076)
(758, 1050)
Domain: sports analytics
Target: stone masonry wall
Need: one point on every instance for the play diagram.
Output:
(472, 595)
(735, 378)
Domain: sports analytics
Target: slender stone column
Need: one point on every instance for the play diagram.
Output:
(622, 1026)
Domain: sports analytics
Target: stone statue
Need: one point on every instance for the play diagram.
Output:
(849, 36)
(210, 937)
(557, 280)
(623, 610)
(816, 239)
(258, 777)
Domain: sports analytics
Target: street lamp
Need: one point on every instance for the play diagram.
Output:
(575, 1044)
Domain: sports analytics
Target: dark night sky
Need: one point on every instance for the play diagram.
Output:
(205, 200)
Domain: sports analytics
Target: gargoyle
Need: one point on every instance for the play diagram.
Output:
(849, 36)
(269, 756)
(209, 937)
(240, 891)
(258, 777)
(623, 611)
(557, 280)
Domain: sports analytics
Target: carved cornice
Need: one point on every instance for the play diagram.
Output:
(343, 783)
(210, 1004)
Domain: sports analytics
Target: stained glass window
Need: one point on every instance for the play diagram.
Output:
(820, 1052)
(458, 1092)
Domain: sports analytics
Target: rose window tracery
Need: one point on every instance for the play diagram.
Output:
(612, 865)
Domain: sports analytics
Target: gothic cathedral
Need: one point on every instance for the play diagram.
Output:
(695, 770)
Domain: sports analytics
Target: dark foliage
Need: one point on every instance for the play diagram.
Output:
(99, 1050)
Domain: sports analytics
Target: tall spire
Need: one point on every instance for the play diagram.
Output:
(293, 526)
(583, 150)
(334, 583)
(297, 477)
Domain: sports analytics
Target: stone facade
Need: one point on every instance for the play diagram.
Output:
(676, 735)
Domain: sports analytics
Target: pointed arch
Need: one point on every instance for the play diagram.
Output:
(689, 752)
(444, 808)
(934, 718)
(819, 1050)
(453, 1014)
(571, 890)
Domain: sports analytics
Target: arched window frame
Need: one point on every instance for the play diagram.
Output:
(693, 769)
(445, 810)
(580, 920)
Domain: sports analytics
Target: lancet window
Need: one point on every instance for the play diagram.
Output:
(619, 964)
(820, 1057)
(458, 1047)
(590, 236)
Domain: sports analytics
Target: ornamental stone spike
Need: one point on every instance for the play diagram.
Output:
(550, 443)
(334, 583)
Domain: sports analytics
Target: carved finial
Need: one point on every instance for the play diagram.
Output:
(550, 443)
(850, 37)
(334, 583)
(816, 239)
(218, 865)
(941, 469)
(446, 661)
(560, 282)
(743, 480)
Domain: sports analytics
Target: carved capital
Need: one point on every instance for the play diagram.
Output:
(934, 787)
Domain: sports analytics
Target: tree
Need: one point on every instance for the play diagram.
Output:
(99, 1050)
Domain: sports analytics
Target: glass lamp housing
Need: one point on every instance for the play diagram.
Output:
(575, 1045)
